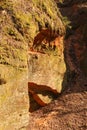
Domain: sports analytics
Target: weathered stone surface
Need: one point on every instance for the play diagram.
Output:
(58, 116)
(14, 100)
(47, 70)
(20, 21)
(75, 49)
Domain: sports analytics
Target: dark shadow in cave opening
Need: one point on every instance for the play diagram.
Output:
(75, 14)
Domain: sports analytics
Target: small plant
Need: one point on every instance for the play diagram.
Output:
(66, 22)
(11, 31)
(61, 1)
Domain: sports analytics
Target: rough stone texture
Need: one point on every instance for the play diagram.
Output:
(47, 70)
(37, 92)
(69, 111)
(14, 100)
(20, 22)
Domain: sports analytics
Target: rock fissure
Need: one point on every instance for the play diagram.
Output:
(69, 110)
(41, 56)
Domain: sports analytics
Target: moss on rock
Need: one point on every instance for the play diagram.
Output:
(20, 22)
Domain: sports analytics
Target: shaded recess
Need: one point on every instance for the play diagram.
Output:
(76, 37)
(47, 39)
(35, 100)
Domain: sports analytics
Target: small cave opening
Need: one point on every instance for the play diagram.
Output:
(40, 95)
(46, 39)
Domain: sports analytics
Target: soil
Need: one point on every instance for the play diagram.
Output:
(68, 112)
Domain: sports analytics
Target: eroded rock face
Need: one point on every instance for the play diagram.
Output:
(75, 54)
(75, 49)
(46, 68)
(14, 100)
(40, 95)
(20, 21)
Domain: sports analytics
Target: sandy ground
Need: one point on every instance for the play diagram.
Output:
(68, 112)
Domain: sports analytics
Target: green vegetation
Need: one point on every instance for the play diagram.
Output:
(61, 1)
(20, 22)
(66, 22)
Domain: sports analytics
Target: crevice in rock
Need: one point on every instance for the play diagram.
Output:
(74, 78)
(75, 46)
(40, 95)
(46, 39)
(74, 49)
(47, 46)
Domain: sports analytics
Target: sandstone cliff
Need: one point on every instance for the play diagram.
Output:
(41, 54)
(68, 112)
(20, 22)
